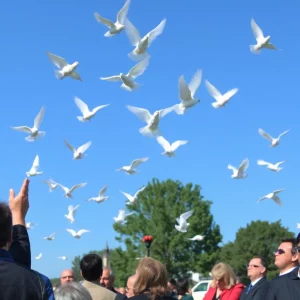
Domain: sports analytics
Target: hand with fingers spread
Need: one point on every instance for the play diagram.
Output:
(19, 204)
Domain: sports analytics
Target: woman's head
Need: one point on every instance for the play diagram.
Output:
(151, 278)
(72, 291)
(182, 286)
(223, 276)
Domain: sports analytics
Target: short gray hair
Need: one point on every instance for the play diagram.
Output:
(72, 291)
(111, 273)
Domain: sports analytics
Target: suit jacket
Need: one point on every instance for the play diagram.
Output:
(258, 292)
(285, 287)
(18, 281)
(120, 296)
(98, 292)
(230, 294)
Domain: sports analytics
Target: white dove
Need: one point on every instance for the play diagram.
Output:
(65, 68)
(274, 141)
(132, 168)
(272, 167)
(187, 93)
(114, 28)
(34, 131)
(100, 198)
(79, 152)
(122, 216)
(52, 184)
(142, 44)
(30, 225)
(221, 100)
(78, 234)
(273, 196)
(182, 221)
(34, 169)
(68, 192)
(71, 213)
(132, 199)
(240, 172)
(50, 237)
(298, 225)
(197, 238)
(39, 256)
(62, 257)
(169, 148)
(152, 121)
(87, 115)
(261, 41)
(128, 79)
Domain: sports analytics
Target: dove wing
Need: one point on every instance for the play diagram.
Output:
(132, 33)
(52, 235)
(121, 214)
(278, 191)
(261, 162)
(186, 215)
(154, 33)
(70, 146)
(165, 111)
(163, 142)
(137, 162)
(102, 191)
(184, 91)
(36, 162)
(82, 231)
(84, 147)
(115, 78)
(77, 186)
(65, 189)
(231, 93)
(39, 118)
(128, 196)
(285, 132)
(195, 82)
(139, 68)
(139, 191)
(213, 91)
(244, 166)
(104, 21)
(58, 61)
(258, 34)
(99, 107)
(142, 113)
(81, 105)
(73, 232)
(70, 208)
(277, 200)
(123, 12)
(177, 144)
(23, 129)
(265, 135)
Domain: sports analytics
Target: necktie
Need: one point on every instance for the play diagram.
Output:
(249, 288)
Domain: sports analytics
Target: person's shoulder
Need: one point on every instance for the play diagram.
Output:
(238, 286)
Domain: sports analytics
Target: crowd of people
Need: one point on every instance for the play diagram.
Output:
(18, 281)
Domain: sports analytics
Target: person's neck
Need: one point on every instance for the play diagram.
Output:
(288, 268)
(255, 278)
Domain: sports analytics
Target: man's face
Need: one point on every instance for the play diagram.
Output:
(66, 276)
(129, 288)
(255, 269)
(284, 256)
(106, 280)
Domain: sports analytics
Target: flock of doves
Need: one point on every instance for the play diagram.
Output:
(187, 100)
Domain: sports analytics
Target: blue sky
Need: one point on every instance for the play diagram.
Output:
(211, 35)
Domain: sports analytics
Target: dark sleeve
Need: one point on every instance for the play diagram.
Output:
(262, 292)
(20, 246)
(270, 294)
(49, 288)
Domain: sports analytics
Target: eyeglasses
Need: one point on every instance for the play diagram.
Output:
(65, 277)
(253, 266)
(280, 251)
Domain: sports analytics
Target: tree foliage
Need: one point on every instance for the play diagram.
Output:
(155, 214)
(259, 238)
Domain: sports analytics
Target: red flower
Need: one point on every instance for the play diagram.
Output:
(147, 238)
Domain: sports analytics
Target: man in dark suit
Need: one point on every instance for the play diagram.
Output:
(17, 281)
(257, 290)
(287, 285)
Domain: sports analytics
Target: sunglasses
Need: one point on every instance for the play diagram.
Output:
(279, 251)
(253, 266)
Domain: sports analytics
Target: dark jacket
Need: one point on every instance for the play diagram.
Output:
(285, 287)
(258, 292)
(148, 297)
(120, 296)
(16, 280)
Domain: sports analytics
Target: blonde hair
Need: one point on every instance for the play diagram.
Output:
(151, 278)
(225, 272)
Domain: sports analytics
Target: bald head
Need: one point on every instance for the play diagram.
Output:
(130, 284)
(67, 276)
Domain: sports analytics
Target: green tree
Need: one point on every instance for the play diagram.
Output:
(259, 238)
(55, 281)
(155, 214)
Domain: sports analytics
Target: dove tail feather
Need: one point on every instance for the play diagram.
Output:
(254, 50)
(58, 74)
(216, 104)
(179, 109)
(148, 132)
(80, 118)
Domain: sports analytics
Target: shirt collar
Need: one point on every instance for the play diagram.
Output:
(256, 281)
(288, 271)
